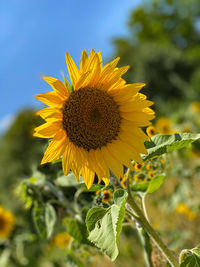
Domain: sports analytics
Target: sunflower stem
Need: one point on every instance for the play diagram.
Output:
(145, 224)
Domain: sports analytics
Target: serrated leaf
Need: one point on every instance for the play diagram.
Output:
(78, 231)
(50, 219)
(155, 183)
(104, 225)
(190, 258)
(161, 144)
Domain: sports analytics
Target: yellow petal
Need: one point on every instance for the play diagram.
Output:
(133, 141)
(56, 147)
(116, 75)
(48, 130)
(101, 162)
(88, 176)
(72, 69)
(84, 58)
(82, 81)
(140, 118)
(57, 86)
(129, 126)
(115, 166)
(50, 113)
(51, 99)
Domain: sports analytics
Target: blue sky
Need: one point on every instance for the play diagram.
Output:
(35, 34)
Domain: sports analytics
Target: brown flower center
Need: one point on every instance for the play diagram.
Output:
(2, 223)
(91, 118)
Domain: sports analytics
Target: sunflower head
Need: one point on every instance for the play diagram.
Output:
(7, 223)
(150, 174)
(163, 126)
(151, 131)
(139, 166)
(107, 196)
(61, 240)
(94, 123)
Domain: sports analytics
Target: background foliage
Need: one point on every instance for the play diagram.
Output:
(163, 50)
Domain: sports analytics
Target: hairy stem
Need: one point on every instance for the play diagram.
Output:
(145, 224)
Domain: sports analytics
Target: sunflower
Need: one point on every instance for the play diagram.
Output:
(61, 240)
(7, 223)
(107, 196)
(151, 131)
(163, 126)
(139, 166)
(94, 123)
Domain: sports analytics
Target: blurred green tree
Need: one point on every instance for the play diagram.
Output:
(163, 48)
(19, 151)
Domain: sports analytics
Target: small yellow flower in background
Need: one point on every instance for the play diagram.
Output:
(107, 196)
(149, 167)
(195, 106)
(7, 223)
(61, 240)
(139, 177)
(186, 211)
(96, 124)
(139, 166)
(151, 131)
(123, 181)
(162, 160)
(150, 174)
(163, 126)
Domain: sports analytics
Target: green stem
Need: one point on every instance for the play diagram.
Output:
(145, 240)
(145, 224)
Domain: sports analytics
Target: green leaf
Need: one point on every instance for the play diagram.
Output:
(155, 183)
(69, 180)
(161, 144)
(78, 231)
(50, 219)
(141, 187)
(104, 225)
(69, 87)
(39, 219)
(190, 257)
(44, 217)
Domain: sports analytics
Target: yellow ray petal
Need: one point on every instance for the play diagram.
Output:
(66, 160)
(83, 62)
(51, 99)
(126, 92)
(100, 59)
(56, 147)
(114, 77)
(133, 141)
(96, 70)
(83, 80)
(57, 86)
(135, 103)
(48, 129)
(72, 69)
(129, 126)
(123, 153)
(50, 113)
(140, 118)
(101, 162)
(88, 176)
(107, 71)
(115, 166)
